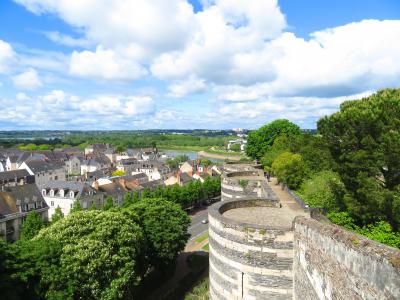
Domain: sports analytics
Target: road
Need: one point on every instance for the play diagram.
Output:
(197, 228)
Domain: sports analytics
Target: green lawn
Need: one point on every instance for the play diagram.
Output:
(202, 237)
(206, 247)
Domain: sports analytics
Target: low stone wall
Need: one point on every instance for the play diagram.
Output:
(249, 261)
(332, 263)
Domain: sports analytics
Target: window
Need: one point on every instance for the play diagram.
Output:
(44, 192)
(52, 203)
(52, 193)
(55, 177)
(71, 194)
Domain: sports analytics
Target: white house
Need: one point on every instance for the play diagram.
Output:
(64, 193)
(99, 162)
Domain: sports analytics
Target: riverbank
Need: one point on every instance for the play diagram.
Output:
(219, 156)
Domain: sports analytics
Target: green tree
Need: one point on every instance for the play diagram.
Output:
(108, 203)
(118, 173)
(96, 257)
(165, 227)
(364, 139)
(290, 169)
(8, 283)
(259, 141)
(324, 190)
(32, 225)
(57, 216)
(205, 162)
(235, 148)
(76, 206)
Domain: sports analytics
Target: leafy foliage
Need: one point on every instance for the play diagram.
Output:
(165, 227)
(76, 206)
(32, 225)
(57, 216)
(108, 203)
(118, 173)
(259, 141)
(174, 162)
(290, 169)
(364, 140)
(96, 258)
(324, 190)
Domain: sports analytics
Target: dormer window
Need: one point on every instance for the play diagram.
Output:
(61, 193)
(44, 192)
(71, 194)
(52, 193)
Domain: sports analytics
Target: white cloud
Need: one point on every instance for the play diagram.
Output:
(7, 55)
(182, 88)
(66, 40)
(104, 64)
(236, 51)
(28, 80)
(155, 26)
(58, 109)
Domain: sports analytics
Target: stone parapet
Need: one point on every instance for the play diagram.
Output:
(332, 263)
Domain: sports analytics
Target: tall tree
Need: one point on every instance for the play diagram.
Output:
(165, 227)
(259, 141)
(32, 225)
(108, 203)
(57, 216)
(364, 139)
(96, 257)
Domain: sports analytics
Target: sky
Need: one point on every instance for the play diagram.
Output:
(179, 64)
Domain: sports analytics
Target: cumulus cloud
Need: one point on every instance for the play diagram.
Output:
(236, 51)
(182, 88)
(58, 109)
(104, 64)
(28, 80)
(155, 26)
(7, 55)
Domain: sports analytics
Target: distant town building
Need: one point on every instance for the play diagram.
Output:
(15, 204)
(45, 171)
(63, 194)
(16, 177)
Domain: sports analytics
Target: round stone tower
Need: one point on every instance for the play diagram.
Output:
(251, 250)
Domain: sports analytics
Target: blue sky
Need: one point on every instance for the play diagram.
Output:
(143, 64)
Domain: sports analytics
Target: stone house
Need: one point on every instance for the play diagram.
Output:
(15, 204)
(16, 177)
(45, 171)
(73, 165)
(154, 170)
(96, 148)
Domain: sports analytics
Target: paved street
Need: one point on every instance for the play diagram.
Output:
(196, 228)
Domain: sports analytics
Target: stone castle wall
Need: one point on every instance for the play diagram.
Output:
(256, 187)
(332, 263)
(248, 261)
